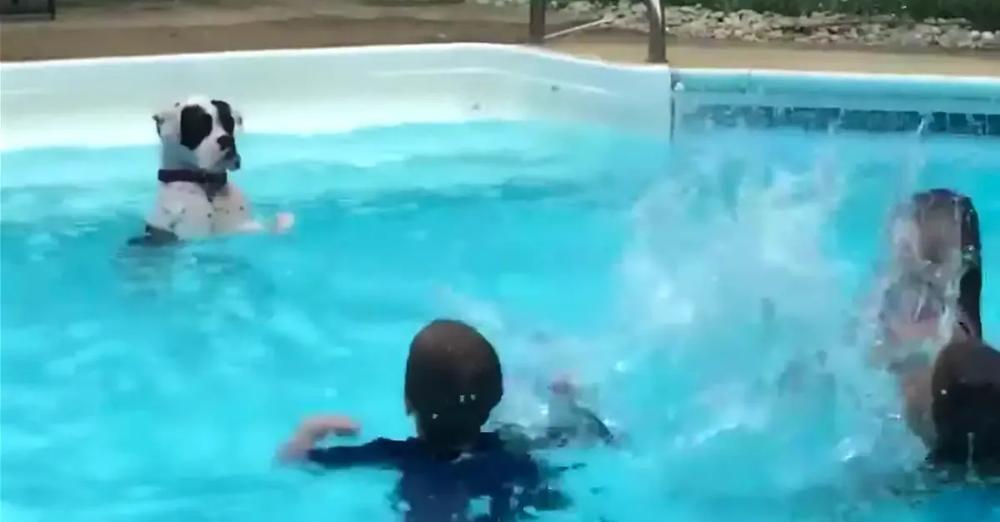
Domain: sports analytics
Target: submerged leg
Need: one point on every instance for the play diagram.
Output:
(154, 237)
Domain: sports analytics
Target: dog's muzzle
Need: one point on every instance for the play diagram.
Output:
(232, 159)
(228, 144)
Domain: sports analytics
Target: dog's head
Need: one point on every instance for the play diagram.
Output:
(199, 134)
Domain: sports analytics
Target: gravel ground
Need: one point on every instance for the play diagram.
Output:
(698, 38)
(695, 22)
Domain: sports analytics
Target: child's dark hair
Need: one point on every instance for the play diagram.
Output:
(966, 391)
(453, 381)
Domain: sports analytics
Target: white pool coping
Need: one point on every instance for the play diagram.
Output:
(109, 101)
(857, 91)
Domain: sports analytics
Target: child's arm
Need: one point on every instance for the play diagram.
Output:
(301, 448)
(313, 430)
(568, 422)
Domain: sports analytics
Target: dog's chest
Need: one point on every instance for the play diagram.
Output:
(231, 211)
(185, 209)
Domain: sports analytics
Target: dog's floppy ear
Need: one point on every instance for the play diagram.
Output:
(164, 116)
(229, 117)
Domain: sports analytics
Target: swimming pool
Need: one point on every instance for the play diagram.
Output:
(677, 277)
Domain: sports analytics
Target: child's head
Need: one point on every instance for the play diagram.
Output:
(936, 238)
(948, 223)
(938, 227)
(453, 381)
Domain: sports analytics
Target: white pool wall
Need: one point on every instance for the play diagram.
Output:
(853, 91)
(110, 101)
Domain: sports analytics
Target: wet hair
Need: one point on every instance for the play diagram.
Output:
(966, 392)
(453, 381)
(937, 208)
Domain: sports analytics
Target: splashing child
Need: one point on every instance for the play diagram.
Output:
(949, 378)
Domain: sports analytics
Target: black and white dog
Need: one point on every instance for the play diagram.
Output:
(196, 198)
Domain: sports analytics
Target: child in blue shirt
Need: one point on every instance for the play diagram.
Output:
(453, 381)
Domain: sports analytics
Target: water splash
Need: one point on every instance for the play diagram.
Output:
(735, 290)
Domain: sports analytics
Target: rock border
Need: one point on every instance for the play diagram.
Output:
(745, 25)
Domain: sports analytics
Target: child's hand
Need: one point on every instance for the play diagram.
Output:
(313, 430)
(283, 221)
(563, 386)
(562, 402)
(568, 419)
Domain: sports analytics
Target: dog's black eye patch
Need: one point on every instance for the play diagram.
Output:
(196, 125)
(225, 115)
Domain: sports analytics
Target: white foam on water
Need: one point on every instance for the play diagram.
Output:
(733, 289)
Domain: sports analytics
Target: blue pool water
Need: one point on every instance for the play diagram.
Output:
(676, 281)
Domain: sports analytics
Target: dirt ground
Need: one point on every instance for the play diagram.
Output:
(120, 28)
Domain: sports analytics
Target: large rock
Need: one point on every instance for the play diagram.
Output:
(696, 29)
(955, 39)
(580, 7)
(412, 2)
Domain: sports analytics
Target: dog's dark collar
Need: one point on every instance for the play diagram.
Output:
(193, 176)
(211, 182)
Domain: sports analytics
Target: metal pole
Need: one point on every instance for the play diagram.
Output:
(581, 27)
(536, 22)
(657, 39)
